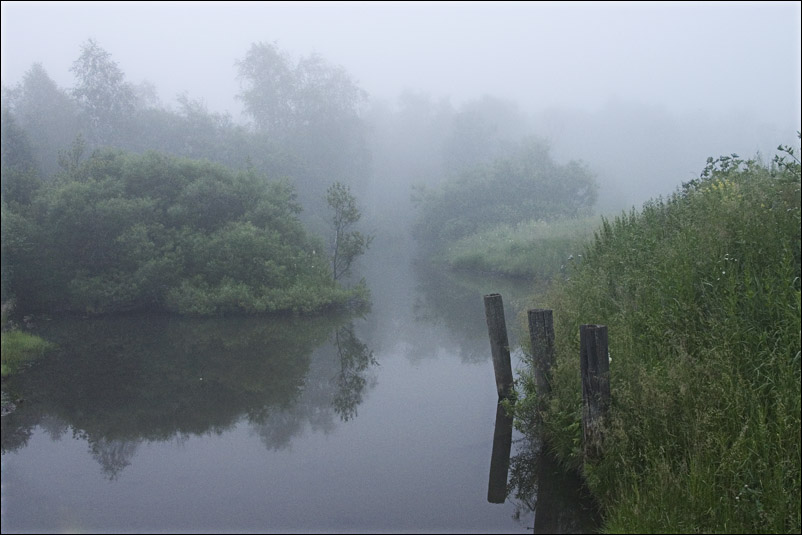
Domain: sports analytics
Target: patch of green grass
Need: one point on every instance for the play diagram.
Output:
(701, 296)
(18, 349)
(530, 249)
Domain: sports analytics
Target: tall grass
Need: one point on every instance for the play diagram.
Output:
(701, 296)
(18, 348)
(528, 249)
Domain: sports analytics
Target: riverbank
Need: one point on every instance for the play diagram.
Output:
(18, 348)
(701, 296)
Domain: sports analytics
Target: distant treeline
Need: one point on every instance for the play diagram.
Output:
(90, 164)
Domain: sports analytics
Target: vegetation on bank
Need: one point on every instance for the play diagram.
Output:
(118, 232)
(18, 348)
(512, 189)
(532, 249)
(701, 296)
(95, 222)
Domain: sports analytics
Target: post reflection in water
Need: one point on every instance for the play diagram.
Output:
(538, 483)
(500, 458)
(559, 499)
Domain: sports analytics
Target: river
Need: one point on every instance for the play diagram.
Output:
(380, 422)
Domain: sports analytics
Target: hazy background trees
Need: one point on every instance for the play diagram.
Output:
(525, 184)
(469, 166)
(311, 109)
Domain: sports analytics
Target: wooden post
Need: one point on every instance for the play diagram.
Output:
(499, 346)
(500, 458)
(595, 368)
(541, 335)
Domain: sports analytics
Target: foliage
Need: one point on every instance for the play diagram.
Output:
(534, 249)
(48, 115)
(105, 98)
(701, 295)
(326, 140)
(17, 153)
(20, 178)
(312, 109)
(346, 244)
(521, 187)
(119, 232)
(18, 348)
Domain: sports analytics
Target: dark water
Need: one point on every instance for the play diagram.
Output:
(383, 422)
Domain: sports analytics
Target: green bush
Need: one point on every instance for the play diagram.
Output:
(120, 232)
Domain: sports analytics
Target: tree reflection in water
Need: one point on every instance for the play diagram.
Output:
(355, 360)
(120, 382)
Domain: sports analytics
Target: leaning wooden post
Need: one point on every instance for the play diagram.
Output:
(541, 336)
(595, 368)
(499, 346)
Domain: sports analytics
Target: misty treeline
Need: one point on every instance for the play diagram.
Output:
(114, 201)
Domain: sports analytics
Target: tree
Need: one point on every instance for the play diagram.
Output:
(48, 115)
(101, 90)
(347, 244)
(312, 109)
(282, 97)
(20, 177)
(17, 153)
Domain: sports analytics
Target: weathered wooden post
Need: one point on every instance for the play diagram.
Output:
(499, 346)
(500, 458)
(595, 369)
(541, 336)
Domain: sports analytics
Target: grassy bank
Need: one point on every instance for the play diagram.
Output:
(534, 249)
(18, 348)
(701, 296)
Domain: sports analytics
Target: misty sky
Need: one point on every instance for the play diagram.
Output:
(719, 57)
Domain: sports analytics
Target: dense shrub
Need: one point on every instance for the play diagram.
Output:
(120, 232)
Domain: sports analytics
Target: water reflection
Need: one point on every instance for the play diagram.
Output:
(355, 358)
(500, 458)
(532, 480)
(560, 501)
(120, 382)
(454, 301)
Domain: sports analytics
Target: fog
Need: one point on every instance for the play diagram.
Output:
(179, 166)
(642, 92)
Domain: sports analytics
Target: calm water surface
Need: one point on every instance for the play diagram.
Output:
(383, 422)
